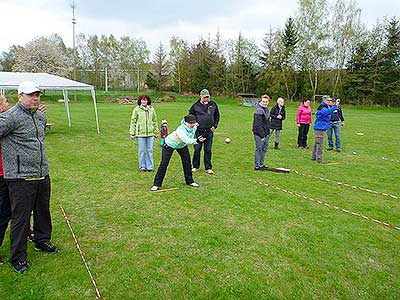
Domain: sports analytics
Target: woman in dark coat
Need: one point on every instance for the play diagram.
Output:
(278, 114)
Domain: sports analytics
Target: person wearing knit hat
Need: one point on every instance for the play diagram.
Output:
(207, 115)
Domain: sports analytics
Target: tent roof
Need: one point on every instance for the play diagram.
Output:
(11, 80)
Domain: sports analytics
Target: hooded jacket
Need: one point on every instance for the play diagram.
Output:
(22, 134)
(181, 137)
(261, 126)
(323, 117)
(144, 121)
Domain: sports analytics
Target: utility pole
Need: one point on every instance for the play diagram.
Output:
(73, 6)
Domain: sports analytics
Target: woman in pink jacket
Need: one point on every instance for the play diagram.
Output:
(303, 120)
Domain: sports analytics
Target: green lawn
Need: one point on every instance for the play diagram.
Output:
(229, 239)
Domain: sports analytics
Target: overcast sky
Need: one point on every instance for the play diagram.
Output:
(155, 20)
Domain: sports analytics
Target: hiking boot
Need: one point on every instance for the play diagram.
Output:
(194, 170)
(46, 247)
(154, 188)
(194, 184)
(21, 266)
(210, 171)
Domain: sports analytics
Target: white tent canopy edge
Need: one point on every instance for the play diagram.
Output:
(11, 81)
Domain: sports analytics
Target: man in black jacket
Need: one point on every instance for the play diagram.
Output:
(261, 132)
(207, 115)
(26, 172)
(334, 127)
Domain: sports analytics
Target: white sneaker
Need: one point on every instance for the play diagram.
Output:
(209, 171)
(194, 184)
(194, 170)
(154, 188)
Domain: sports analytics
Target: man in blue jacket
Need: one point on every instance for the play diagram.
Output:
(322, 122)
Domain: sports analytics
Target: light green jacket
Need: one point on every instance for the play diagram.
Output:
(144, 122)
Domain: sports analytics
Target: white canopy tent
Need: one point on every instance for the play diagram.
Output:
(11, 81)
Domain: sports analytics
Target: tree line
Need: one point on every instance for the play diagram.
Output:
(323, 49)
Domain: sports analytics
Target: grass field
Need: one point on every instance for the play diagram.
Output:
(229, 239)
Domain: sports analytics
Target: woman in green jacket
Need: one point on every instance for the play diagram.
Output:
(144, 129)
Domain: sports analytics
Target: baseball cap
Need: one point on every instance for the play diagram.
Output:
(204, 93)
(28, 87)
(327, 98)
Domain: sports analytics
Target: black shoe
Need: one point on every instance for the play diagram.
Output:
(263, 168)
(46, 247)
(329, 149)
(21, 266)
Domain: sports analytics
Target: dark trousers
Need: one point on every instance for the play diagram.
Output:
(302, 137)
(25, 196)
(208, 134)
(166, 157)
(5, 209)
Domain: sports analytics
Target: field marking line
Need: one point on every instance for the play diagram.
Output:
(348, 185)
(391, 159)
(99, 297)
(386, 224)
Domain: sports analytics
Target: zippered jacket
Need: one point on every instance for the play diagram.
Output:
(323, 117)
(275, 111)
(303, 114)
(22, 137)
(261, 126)
(206, 115)
(181, 137)
(144, 122)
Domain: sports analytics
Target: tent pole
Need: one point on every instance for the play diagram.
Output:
(95, 109)
(65, 94)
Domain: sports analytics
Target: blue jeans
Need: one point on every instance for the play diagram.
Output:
(334, 127)
(145, 152)
(261, 150)
(207, 150)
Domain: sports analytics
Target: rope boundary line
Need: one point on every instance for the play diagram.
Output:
(99, 297)
(354, 187)
(386, 224)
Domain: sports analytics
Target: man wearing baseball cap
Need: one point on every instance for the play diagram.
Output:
(207, 115)
(322, 120)
(26, 172)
